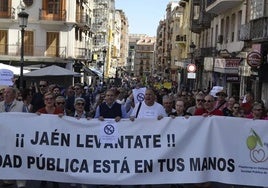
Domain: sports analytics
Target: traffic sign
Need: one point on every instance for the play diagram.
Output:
(191, 67)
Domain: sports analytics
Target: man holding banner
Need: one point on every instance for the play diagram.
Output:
(10, 104)
(149, 108)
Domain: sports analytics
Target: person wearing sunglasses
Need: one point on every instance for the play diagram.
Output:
(78, 93)
(199, 103)
(79, 106)
(209, 108)
(60, 103)
(237, 111)
(49, 107)
(38, 98)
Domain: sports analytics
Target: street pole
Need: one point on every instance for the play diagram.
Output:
(103, 66)
(192, 49)
(21, 58)
(23, 20)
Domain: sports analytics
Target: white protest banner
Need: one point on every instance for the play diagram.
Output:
(138, 94)
(6, 77)
(148, 151)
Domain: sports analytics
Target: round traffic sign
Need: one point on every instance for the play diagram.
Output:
(191, 67)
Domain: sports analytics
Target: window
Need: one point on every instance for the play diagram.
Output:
(227, 29)
(53, 6)
(233, 20)
(4, 5)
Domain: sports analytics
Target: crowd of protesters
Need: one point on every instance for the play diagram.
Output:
(197, 102)
(110, 101)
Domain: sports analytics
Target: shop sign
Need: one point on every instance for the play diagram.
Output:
(232, 78)
(254, 59)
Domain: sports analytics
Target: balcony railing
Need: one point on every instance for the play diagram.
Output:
(83, 18)
(7, 13)
(220, 6)
(244, 33)
(30, 50)
(57, 16)
(83, 53)
(259, 29)
(255, 30)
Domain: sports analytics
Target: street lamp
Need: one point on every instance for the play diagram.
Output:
(192, 48)
(23, 20)
(104, 51)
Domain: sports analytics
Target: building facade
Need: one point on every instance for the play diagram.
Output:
(67, 33)
(225, 40)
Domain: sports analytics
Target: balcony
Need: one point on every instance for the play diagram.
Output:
(180, 39)
(195, 26)
(82, 53)
(221, 6)
(258, 29)
(83, 18)
(205, 52)
(30, 50)
(196, 2)
(255, 30)
(56, 16)
(202, 22)
(182, 3)
(244, 34)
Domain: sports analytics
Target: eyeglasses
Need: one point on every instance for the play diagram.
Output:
(42, 86)
(208, 101)
(76, 88)
(236, 107)
(258, 109)
(200, 100)
(59, 103)
(49, 98)
(80, 104)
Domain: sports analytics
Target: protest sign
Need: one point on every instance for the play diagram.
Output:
(147, 151)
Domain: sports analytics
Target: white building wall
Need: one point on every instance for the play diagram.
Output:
(41, 27)
(231, 46)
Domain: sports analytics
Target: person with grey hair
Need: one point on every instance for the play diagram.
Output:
(168, 104)
(79, 106)
(10, 104)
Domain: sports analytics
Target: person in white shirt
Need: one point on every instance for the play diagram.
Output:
(149, 108)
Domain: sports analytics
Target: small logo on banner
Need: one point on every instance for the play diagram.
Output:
(258, 149)
(109, 132)
(109, 129)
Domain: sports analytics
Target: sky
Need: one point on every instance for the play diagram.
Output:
(143, 15)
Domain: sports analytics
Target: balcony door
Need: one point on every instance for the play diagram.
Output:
(28, 43)
(54, 9)
(52, 44)
(5, 10)
(3, 42)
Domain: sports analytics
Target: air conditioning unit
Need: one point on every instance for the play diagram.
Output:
(220, 39)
